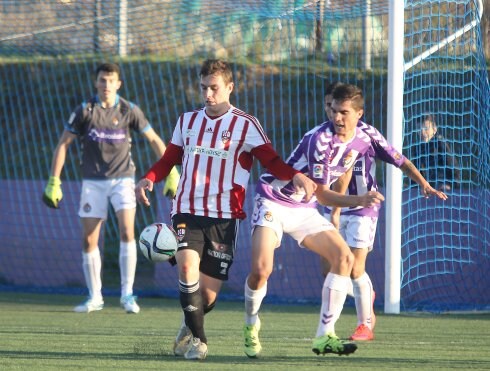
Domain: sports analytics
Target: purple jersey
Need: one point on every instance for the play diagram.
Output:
(364, 172)
(105, 137)
(321, 156)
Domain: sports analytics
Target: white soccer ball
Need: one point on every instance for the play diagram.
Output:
(158, 242)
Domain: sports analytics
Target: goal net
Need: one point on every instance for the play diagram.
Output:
(284, 53)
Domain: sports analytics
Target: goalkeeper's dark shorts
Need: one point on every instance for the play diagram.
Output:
(214, 239)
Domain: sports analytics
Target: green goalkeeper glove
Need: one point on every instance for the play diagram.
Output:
(52, 193)
(171, 183)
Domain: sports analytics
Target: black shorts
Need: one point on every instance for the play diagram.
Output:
(214, 239)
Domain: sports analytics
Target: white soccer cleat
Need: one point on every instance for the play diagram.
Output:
(129, 304)
(90, 305)
(197, 351)
(182, 340)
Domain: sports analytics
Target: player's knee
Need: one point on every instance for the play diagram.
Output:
(126, 236)
(258, 277)
(347, 260)
(188, 271)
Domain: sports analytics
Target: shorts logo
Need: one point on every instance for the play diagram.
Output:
(218, 246)
(318, 171)
(87, 208)
(180, 231)
(220, 251)
(225, 136)
(224, 268)
(268, 216)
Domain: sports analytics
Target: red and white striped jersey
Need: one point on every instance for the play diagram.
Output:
(216, 162)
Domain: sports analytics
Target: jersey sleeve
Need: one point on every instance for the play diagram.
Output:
(76, 121)
(269, 158)
(139, 122)
(171, 157)
(384, 150)
(177, 137)
(256, 135)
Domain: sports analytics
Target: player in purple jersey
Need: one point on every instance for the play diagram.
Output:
(325, 153)
(358, 225)
(104, 124)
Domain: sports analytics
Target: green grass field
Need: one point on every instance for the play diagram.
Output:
(40, 332)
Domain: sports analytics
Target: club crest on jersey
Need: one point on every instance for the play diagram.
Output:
(225, 136)
(115, 121)
(318, 171)
(347, 160)
(268, 216)
(180, 231)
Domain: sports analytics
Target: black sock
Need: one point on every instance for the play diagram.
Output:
(191, 303)
(209, 308)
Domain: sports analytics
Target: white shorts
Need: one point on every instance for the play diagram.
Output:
(297, 222)
(358, 231)
(96, 195)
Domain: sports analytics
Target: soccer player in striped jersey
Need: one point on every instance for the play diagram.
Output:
(216, 146)
(357, 225)
(104, 124)
(325, 153)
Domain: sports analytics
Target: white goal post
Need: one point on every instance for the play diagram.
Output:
(396, 70)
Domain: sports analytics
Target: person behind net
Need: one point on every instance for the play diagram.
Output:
(435, 158)
(104, 124)
(358, 225)
(216, 146)
(325, 153)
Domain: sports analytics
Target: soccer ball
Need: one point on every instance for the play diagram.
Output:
(158, 242)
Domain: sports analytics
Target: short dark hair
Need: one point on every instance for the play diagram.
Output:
(212, 66)
(345, 92)
(109, 68)
(431, 119)
(329, 89)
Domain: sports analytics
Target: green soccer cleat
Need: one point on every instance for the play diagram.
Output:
(332, 344)
(252, 342)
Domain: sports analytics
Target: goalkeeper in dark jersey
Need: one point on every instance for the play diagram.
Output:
(104, 124)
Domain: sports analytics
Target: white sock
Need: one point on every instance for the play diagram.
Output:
(253, 301)
(127, 266)
(334, 293)
(350, 289)
(363, 294)
(92, 267)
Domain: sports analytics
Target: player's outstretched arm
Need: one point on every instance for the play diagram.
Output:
(426, 189)
(327, 197)
(140, 191)
(340, 186)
